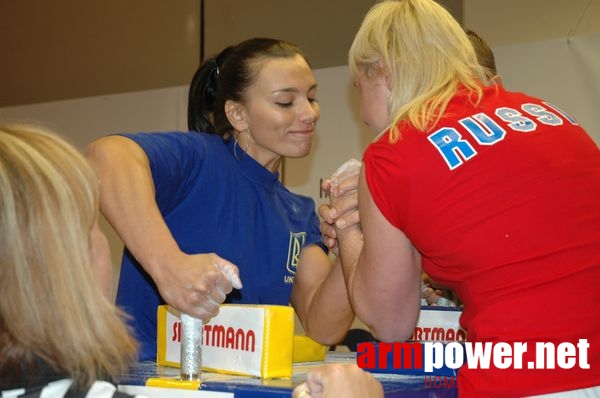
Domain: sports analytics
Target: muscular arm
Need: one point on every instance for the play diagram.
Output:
(384, 278)
(190, 283)
(320, 298)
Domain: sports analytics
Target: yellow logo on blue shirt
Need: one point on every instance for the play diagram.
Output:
(296, 243)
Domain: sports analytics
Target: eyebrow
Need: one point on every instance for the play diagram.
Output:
(292, 89)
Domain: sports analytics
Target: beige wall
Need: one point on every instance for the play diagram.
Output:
(53, 50)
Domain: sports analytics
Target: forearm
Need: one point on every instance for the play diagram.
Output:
(383, 298)
(350, 244)
(320, 298)
(330, 313)
(386, 300)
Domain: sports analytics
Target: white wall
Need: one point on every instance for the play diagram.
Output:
(85, 119)
(564, 72)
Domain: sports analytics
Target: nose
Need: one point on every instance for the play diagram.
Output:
(310, 113)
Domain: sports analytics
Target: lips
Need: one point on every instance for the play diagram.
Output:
(303, 132)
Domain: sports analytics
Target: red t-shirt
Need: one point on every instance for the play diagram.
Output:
(503, 202)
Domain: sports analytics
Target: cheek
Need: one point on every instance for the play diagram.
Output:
(370, 108)
(364, 110)
(376, 110)
(384, 111)
(270, 127)
(317, 108)
(266, 119)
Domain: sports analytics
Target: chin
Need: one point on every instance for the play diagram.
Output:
(299, 152)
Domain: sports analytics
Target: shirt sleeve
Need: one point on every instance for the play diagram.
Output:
(388, 181)
(175, 158)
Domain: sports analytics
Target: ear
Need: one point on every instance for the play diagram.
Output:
(388, 81)
(235, 112)
(384, 70)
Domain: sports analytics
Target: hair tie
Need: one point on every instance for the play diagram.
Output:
(220, 58)
(217, 71)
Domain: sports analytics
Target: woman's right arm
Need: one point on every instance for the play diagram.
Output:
(191, 283)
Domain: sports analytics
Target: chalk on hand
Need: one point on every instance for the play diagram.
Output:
(233, 276)
(351, 165)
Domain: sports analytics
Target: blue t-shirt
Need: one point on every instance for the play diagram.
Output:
(213, 202)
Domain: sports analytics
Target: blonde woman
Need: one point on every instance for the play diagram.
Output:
(59, 333)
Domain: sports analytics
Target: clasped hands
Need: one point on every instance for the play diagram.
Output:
(342, 209)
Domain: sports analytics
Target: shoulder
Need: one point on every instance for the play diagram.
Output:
(386, 152)
(499, 94)
(177, 145)
(156, 138)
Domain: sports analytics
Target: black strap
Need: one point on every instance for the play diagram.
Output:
(119, 394)
(75, 392)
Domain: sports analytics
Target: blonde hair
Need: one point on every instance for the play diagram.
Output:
(426, 54)
(51, 308)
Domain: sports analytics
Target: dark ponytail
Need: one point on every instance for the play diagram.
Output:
(202, 96)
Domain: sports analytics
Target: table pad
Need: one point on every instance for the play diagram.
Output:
(395, 385)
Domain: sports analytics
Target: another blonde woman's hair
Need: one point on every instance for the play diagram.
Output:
(51, 308)
(426, 54)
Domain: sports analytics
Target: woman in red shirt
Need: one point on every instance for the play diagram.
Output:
(492, 193)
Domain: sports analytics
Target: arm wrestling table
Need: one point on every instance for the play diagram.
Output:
(216, 385)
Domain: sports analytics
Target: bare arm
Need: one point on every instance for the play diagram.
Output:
(320, 298)
(191, 283)
(384, 279)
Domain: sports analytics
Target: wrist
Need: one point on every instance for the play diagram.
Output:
(157, 262)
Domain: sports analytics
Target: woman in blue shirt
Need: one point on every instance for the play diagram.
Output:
(191, 205)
